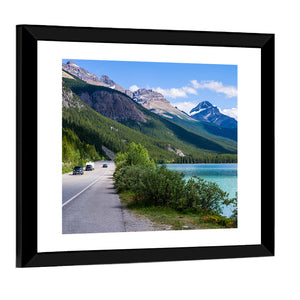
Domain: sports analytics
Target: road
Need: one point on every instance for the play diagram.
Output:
(90, 203)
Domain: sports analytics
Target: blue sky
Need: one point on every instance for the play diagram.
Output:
(184, 85)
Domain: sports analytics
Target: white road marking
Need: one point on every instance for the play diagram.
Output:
(68, 201)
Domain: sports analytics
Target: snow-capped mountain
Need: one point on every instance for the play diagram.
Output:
(207, 112)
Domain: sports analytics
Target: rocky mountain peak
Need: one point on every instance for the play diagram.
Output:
(72, 64)
(201, 106)
(81, 73)
(157, 103)
(148, 95)
(90, 78)
(106, 80)
(209, 113)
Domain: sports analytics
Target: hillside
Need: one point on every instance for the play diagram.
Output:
(94, 129)
(120, 107)
(75, 151)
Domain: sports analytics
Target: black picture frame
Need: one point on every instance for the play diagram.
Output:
(27, 153)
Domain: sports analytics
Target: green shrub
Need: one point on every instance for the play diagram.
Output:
(137, 155)
(160, 187)
(163, 187)
(154, 185)
(233, 203)
(204, 195)
(127, 178)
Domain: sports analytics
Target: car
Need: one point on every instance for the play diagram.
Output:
(78, 170)
(105, 165)
(89, 168)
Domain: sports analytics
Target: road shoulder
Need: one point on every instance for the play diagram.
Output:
(134, 222)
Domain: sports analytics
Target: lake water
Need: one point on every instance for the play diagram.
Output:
(225, 175)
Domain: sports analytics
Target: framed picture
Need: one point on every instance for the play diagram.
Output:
(139, 145)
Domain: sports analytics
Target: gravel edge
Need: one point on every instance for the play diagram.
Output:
(134, 222)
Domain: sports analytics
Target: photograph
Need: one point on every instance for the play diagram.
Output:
(144, 145)
(148, 146)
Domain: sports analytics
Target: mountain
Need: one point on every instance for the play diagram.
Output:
(122, 110)
(120, 107)
(106, 101)
(81, 73)
(87, 133)
(112, 85)
(90, 78)
(206, 112)
(157, 103)
(91, 128)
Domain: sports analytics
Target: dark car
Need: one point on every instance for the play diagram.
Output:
(78, 170)
(89, 168)
(105, 166)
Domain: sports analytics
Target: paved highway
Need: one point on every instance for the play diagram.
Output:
(90, 203)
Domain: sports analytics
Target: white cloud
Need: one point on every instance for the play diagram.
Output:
(189, 90)
(216, 86)
(176, 92)
(185, 106)
(183, 92)
(195, 84)
(233, 112)
(172, 93)
(134, 88)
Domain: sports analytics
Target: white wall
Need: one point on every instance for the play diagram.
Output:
(255, 278)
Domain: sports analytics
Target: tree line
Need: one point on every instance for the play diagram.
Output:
(75, 151)
(209, 158)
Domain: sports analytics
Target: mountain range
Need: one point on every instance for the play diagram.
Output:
(90, 78)
(148, 113)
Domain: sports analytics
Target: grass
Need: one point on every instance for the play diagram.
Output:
(174, 219)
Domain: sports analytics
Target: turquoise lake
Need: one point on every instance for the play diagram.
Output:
(225, 175)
